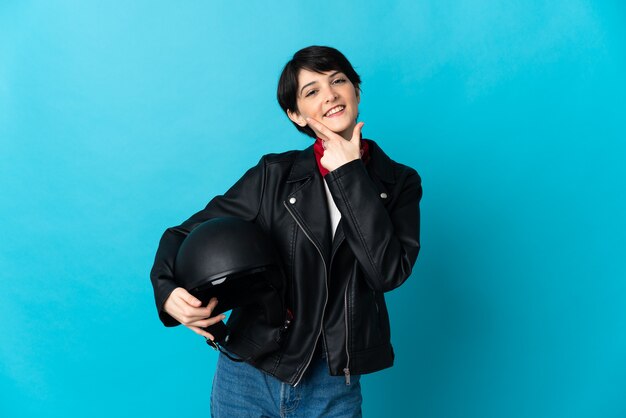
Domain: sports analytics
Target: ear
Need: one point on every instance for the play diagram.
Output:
(357, 91)
(296, 118)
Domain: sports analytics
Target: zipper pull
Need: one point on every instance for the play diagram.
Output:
(346, 371)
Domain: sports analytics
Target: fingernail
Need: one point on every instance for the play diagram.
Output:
(222, 316)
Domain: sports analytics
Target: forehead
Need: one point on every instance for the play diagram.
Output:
(307, 76)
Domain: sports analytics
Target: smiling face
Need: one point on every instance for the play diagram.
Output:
(328, 97)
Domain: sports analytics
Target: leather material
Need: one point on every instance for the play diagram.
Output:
(334, 287)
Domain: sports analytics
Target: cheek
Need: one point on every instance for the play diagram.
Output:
(309, 110)
(301, 106)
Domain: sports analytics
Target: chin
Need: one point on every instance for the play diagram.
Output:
(339, 127)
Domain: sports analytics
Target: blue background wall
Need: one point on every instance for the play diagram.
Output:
(118, 119)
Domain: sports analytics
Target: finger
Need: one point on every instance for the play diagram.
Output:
(356, 133)
(188, 314)
(187, 297)
(203, 323)
(195, 314)
(202, 332)
(325, 132)
(212, 304)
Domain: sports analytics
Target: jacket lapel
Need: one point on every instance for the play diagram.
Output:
(307, 201)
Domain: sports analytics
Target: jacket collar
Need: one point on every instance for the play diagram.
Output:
(304, 165)
(380, 164)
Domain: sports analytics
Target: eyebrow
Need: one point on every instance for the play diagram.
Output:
(313, 82)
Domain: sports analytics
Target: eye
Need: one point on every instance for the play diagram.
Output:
(340, 80)
(310, 93)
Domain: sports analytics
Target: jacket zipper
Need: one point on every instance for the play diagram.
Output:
(325, 300)
(346, 370)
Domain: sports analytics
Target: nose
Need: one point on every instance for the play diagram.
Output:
(331, 95)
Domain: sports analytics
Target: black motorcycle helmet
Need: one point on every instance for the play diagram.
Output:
(234, 261)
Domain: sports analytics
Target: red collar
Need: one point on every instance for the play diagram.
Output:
(319, 153)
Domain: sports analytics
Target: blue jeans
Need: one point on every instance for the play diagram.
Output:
(240, 390)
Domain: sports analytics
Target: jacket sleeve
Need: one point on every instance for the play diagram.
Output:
(385, 242)
(242, 200)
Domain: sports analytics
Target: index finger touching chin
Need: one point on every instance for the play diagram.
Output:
(320, 129)
(316, 125)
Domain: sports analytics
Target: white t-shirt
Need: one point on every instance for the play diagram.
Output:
(335, 215)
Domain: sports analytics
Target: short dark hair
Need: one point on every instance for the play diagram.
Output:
(313, 58)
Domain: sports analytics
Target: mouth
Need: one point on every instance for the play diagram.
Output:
(334, 111)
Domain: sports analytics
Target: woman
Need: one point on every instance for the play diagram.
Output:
(344, 218)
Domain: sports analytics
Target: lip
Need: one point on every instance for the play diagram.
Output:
(341, 112)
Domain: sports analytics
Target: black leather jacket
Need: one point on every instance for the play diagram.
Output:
(335, 286)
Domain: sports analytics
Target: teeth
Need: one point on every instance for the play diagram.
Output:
(335, 110)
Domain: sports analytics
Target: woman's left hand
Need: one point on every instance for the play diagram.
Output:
(338, 151)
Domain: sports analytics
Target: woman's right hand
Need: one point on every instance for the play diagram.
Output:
(188, 310)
